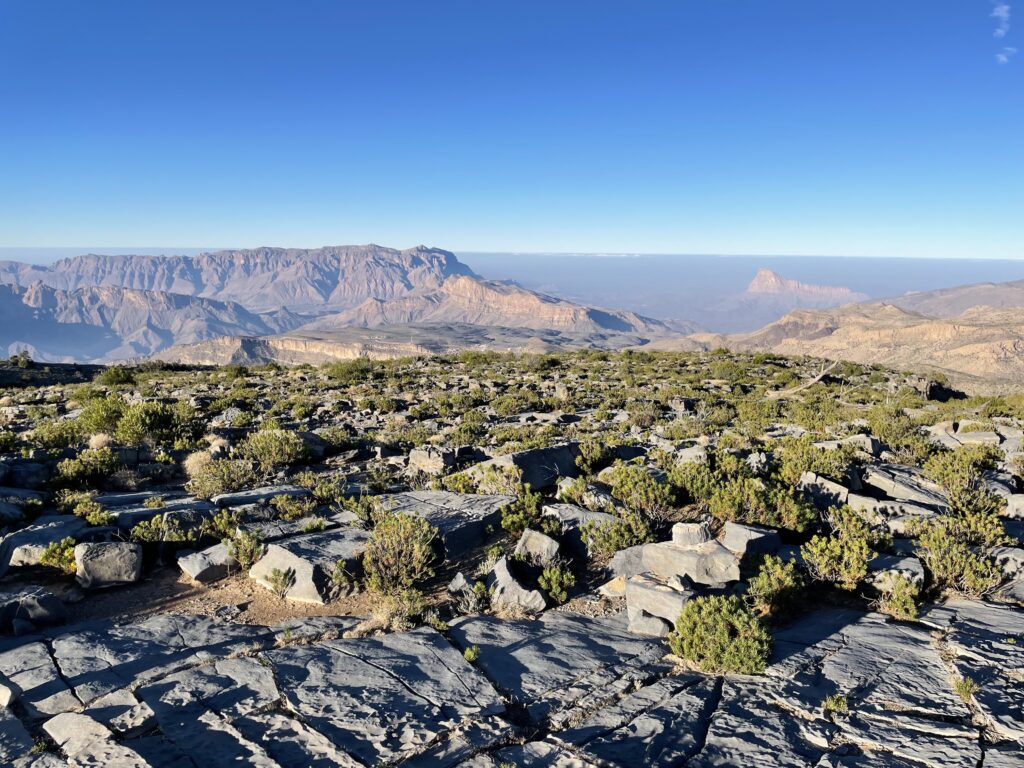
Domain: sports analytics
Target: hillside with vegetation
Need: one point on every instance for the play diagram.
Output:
(478, 559)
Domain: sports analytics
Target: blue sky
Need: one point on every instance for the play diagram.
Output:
(858, 127)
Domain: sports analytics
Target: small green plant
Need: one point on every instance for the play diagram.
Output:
(221, 476)
(604, 539)
(720, 635)
(966, 688)
(400, 553)
(775, 590)
(556, 581)
(272, 449)
(155, 502)
(93, 513)
(60, 555)
(899, 599)
(293, 507)
(246, 548)
(472, 653)
(281, 581)
(951, 562)
(90, 468)
(841, 558)
(836, 704)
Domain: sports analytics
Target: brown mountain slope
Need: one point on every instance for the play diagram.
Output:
(471, 301)
(950, 302)
(980, 350)
(102, 323)
(260, 279)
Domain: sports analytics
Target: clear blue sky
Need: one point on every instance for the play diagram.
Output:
(871, 127)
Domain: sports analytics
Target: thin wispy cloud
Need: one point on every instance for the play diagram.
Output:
(1004, 56)
(1001, 13)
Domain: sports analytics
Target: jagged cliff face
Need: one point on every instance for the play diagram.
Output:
(768, 284)
(260, 279)
(469, 300)
(111, 323)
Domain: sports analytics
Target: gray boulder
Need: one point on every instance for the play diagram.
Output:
(26, 546)
(258, 495)
(691, 534)
(33, 604)
(708, 563)
(307, 564)
(904, 484)
(536, 548)
(431, 460)
(461, 519)
(746, 540)
(540, 468)
(508, 595)
(105, 564)
(572, 518)
(648, 597)
(209, 565)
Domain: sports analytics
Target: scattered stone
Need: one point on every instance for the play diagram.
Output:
(307, 564)
(33, 604)
(536, 548)
(744, 540)
(509, 595)
(708, 563)
(107, 564)
(210, 565)
(461, 519)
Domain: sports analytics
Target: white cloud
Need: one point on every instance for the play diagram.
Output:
(1001, 13)
(1004, 56)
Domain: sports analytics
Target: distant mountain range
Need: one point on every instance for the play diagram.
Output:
(106, 308)
(973, 334)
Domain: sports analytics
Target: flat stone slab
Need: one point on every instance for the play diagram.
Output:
(708, 563)
(461, 519)
(101, 658)
(258, 495)
(308, 563)
(904, 484)
(345, 702)
(560, 661)
(42, 691)
(212, 564)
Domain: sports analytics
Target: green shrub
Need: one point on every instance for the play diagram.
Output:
(966, 688)
(750, 500)
(951, 562)
(523, 513)
(796, 455)
(605, 539)
(637, 489)
(221, 476)
(60, 555)
(695, 481)
(293, 507)
(93, 513)
(272, 449)
(841, 558)
(246, 548)
(556, 581)
(153, 424)
(899, 599)
(116, 376)
(56, 433)
(90, 468)
(721, 635)
(8, 440)
(400, 553)
(775, 590)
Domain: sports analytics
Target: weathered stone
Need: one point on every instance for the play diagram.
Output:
(431, 460)
(258, 495)
(824, 493)
(540, 468)
(708, 563)
(307, 563)
(572, 519)
(31, 669)
(883, 569)
(461, 519)
(694, 454)
(536, 548)
(209, 565)
(89, 744)
(691, 534)
(560, 663)
(26, 546)
(628, 562)
(101, 658)
(656, 597)
(746, 540)
(34, 604)
(508, 595)
(15, 741)
(904, 483)
(106, 564)
(661, 725)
